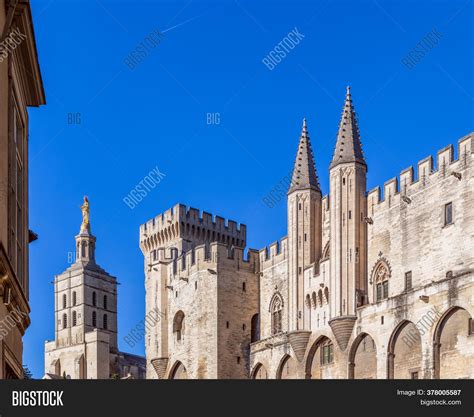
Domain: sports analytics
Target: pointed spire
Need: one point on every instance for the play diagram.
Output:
(348, 146)
(304, 171)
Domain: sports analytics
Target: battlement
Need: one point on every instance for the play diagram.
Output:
(274, 253)
(412, 180)
(212, 257)
(188, 223)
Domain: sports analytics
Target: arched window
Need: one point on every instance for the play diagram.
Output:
(94, 299)
(64, 301)
(276, 308)
(255, 328)
(308, 301)
(105, 302)
(74, 318)
(320, 298)
(94, 319)
(83, 249)
(326, 294)
(74, 298)
(380, 278)
(313, 300)
(64, 321)
(104, 322)
(178, 325)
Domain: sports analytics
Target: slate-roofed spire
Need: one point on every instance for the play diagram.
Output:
(348, 145)
(304, 172)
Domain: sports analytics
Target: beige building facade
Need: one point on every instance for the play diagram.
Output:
(85, 299)
(20, 87)
(365, 285)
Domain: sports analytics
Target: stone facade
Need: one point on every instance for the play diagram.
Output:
(20, 87)
(85, 300)
(362, 286)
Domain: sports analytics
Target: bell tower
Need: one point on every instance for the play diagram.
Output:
(85, 315)
(304, 227)
(348, 210)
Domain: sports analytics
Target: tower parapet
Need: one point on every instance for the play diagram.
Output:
(411, 180)
(186, 228)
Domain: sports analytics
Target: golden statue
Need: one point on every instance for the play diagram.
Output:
(85, 226)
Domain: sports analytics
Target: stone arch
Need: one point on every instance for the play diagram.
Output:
(287, 369)
(178, 371)
(404, 359)
(314, 300)
(259, 372)
(363, 358)
(56, 367)
(255, 328)
(320, 298)
(326, 251)
(449, 337)
(313, 366)
(178, 325)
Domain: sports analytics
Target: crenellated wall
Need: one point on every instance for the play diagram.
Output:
(407, 226)
(186, 227)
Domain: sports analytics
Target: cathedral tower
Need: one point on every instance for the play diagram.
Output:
(304, 226)
(85, 345)
(348, 240)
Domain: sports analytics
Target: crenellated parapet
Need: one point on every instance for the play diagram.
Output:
(426, 174)
(192, 227)
(210, 257)
(273, 254)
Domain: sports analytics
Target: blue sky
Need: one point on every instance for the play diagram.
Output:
(209, 60)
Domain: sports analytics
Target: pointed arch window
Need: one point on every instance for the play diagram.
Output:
(380, 279)
(105, 302)
(276, 309)
(64, 301)
(64, 321)
(74, 298)
(94, 319)
(74, 318)
(105, 322)
(94, 299)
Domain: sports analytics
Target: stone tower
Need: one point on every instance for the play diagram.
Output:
(200, 282)
(304, 227)
(348, 236)
(85, 345)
